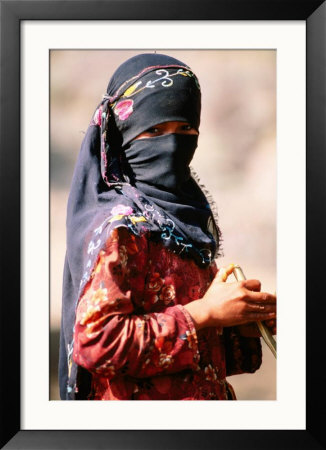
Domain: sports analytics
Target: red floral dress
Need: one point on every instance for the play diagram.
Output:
(134, 336)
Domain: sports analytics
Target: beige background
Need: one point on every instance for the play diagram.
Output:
(235, 159)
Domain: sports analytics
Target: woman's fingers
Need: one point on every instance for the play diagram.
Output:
(252, 285)
(261, 297)
(224, 272)
(271, 323)
(237, 303)
(260, 307)
(253, 316)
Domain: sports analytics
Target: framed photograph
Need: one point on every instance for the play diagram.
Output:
(56, 58)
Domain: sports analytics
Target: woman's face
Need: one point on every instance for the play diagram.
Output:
(168, 128)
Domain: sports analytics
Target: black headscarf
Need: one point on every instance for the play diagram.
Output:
(143, 184)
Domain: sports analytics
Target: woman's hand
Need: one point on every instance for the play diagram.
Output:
(232, 304)
(249, 329)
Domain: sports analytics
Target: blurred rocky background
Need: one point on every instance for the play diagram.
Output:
(236, 160)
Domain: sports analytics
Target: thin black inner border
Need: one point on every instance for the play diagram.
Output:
(12, 12)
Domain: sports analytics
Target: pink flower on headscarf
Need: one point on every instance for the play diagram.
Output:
(121, 210)
(97, 118)
(123, 109)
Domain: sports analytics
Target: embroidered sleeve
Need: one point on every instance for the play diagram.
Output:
(242, 354)
(111, 337)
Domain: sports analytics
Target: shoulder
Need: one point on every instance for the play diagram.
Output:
(123, 236)
(124, 247)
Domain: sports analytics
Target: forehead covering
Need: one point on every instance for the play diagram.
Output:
(163, 90)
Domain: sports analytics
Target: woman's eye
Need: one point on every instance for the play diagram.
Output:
(152, 130)
(187, 127)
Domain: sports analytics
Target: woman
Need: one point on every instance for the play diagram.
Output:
(146, 314)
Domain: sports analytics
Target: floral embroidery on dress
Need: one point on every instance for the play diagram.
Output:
(123, 255)
(168, 294)
(191, 337)
(144, 345)
(155, 282)
(210, 373)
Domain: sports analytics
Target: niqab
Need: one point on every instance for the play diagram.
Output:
(142, 184)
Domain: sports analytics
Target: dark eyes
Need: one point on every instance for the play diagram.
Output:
(157, 130)
(152, 130)
(168, 128)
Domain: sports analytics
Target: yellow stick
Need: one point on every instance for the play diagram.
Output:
(266, 334)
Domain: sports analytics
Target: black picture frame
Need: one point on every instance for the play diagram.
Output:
(12, 13)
